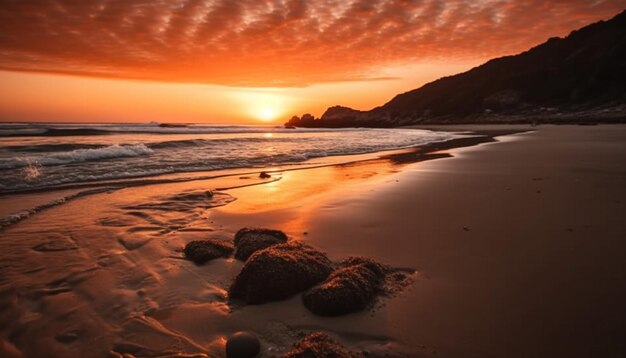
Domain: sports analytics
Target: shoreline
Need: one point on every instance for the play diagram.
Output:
(487, 232)
(79, 190)
(219, 173)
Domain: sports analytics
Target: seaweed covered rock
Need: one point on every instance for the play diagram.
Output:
(280, 271)
(201, 251)
(249, 240)
(318, 345)
(375, 266)
(351, 288)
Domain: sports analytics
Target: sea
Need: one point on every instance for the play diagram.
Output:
(39, 157)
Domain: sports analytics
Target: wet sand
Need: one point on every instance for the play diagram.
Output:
(518, 246)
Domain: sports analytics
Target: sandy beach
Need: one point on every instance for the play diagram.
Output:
(518, 247)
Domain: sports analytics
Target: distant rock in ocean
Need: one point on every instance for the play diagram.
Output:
(173, 125)
(577, 79)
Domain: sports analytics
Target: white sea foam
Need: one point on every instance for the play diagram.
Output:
(78, 156)
(32, 171)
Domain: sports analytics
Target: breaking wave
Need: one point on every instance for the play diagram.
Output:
(79, 156)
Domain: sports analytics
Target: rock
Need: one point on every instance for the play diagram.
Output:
(376, 267)
(172, 125)
(292, 122)
(264, 175)
(201, 251)
(280, 271)
(248, 241)
(67, 337)
(339, 112)
(242, 345)
(318, 345)
(245, 231)
(351, 288)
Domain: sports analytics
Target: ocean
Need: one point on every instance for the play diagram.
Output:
(51, 156)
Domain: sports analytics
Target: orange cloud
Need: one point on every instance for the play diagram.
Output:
(273, 42)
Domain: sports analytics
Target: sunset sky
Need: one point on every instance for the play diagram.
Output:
(222, 61)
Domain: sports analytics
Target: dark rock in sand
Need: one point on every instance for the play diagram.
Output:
(319, 345)
(68, 337)
(245, 231)
(242, 345)
(351, 288)
(202, 251)
(280, 271)
(248, 241)
(376, 267)
(264, 175)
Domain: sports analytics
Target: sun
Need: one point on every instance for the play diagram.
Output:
(264, 105)
(267, 114)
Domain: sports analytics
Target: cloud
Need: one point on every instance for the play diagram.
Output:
(273, 42)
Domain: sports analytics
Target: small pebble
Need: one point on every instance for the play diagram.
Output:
(67, 337)
(242, 345)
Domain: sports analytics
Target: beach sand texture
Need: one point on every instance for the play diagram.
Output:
(519, 250)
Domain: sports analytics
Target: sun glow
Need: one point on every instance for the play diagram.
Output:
(267, 114)
(265, 105)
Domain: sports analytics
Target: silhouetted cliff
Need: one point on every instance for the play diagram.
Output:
(578, 78)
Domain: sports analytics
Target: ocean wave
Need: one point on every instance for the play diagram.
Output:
(44, 148)
(37, 131)
(186, 143)
(78, 156)
(41, 164)
(64, 132)
(58, 130)
(21, 132)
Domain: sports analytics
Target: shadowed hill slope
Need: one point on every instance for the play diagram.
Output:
(581, 77)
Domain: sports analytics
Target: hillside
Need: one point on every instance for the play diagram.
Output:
(579, 78)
